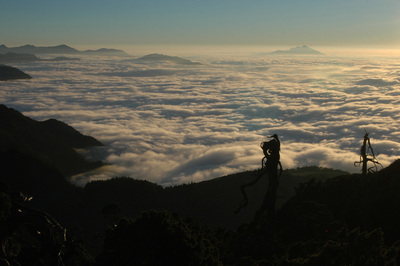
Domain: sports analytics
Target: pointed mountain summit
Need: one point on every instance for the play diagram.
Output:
(300, 50)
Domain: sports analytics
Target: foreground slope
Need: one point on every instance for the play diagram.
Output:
(346, 220)
(332, 220)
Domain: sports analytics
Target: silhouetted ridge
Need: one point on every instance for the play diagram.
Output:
(68, 135)
(105, 51)
(15, 57)
(392, 169)
(10, 73)
(31, 49)
(25, 58)
(173, 59)
(51, 141)
(59, 49)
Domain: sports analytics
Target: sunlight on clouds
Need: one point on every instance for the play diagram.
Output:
(172, 124)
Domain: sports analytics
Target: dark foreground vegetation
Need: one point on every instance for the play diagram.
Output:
(324, 217)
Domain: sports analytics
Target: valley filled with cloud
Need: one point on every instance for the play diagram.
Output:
(172, 123)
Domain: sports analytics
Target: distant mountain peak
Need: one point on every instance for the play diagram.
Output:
(305, 50)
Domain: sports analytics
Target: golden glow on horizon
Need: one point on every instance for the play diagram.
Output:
(251, 50)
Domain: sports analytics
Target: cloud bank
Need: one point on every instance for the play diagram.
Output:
(175, 124)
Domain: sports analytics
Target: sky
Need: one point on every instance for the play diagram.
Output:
(181, 124)
(216, 22)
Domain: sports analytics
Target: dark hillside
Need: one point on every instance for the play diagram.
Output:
(68, 135)
(44, 184)
(368, 201)
(11, 73)
(346, 220)
(51, 141)
(213, 202)
(128, 198)
(210, 202)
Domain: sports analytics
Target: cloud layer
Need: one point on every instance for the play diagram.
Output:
(177, 124)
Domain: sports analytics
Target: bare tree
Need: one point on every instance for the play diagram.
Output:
(367, 155)
(269, 165)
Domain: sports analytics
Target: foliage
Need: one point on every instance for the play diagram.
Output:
(156, 238)
(32, 237)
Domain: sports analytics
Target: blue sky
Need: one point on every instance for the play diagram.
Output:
(267, 22)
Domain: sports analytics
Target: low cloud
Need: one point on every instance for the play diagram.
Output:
(175, 124)
(377, 82)
(142, 73)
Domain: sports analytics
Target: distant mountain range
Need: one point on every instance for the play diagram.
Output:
(52, 141)
(299, 50)
(166, 58)
(10, 73)
(10, 58)
(59, 49)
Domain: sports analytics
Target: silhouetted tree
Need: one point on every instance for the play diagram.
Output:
(367, 155)
(269, 166)
(271, 150)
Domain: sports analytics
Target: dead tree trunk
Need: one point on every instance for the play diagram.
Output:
(367, 155)
(271, 151)
(270, 164)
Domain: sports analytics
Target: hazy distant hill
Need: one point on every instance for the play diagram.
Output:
(167, 58)
(17, 58)
(10, 73)
(300, 50)
(59, 49)
(26, 58)
(105, 51)
(31, 49)
(52, 141)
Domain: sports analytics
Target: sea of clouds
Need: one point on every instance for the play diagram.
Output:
(172, 124)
